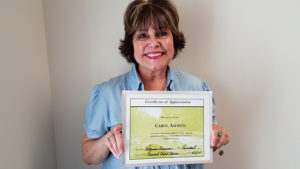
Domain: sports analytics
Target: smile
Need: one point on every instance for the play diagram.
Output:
(155, 55)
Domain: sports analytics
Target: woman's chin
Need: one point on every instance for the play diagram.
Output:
(155, 68)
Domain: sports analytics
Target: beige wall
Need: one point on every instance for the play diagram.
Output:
(246, 50)
(26, 129)
(82, 52)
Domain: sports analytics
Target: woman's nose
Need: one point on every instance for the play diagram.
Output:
(154, 42)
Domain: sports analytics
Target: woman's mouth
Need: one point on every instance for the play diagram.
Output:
(155, 55)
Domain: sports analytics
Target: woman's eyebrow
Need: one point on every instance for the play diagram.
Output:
(142, 30)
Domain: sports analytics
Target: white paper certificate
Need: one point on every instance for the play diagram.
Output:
(169, 127)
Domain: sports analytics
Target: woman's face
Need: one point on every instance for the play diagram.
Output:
(153, 49)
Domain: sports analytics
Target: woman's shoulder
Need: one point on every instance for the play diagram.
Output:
(186, 76)
(189, 81)
(109, 88)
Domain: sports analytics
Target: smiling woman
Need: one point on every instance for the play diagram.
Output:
(152, 39)
(153, 50)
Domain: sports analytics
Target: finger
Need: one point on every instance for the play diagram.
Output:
(118, 127)
(221, 141)
(110, 145)
(214, 138)
(227, 139)
(114, 144)
(119, 139)
(214, 145)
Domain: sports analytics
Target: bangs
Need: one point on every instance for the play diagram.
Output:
(146, 15)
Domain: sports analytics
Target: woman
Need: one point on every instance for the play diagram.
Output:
(152, 40)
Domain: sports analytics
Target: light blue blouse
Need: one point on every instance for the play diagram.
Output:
(104, 110)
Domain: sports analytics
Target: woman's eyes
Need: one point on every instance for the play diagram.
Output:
(162, 33)
(142, 36)
(158, 34)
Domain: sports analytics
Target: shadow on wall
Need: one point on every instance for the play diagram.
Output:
(237, 81)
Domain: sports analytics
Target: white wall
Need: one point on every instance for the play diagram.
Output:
(246, 50)
(82, 49)
(26, 129)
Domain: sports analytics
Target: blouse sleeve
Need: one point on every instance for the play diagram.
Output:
(96, 114)
(207, 88)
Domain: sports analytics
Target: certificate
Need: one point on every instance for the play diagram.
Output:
(166, 127)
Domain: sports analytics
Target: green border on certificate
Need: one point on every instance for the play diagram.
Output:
(166, 132)
(167, 127)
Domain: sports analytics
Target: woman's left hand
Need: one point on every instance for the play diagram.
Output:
(219, 137)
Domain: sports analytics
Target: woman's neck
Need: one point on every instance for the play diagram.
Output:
(154, 80)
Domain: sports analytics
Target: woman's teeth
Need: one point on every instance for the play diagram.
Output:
(154, 54)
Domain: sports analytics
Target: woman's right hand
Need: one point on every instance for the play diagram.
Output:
(114, 140)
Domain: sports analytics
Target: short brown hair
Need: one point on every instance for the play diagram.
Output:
(140, 13)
